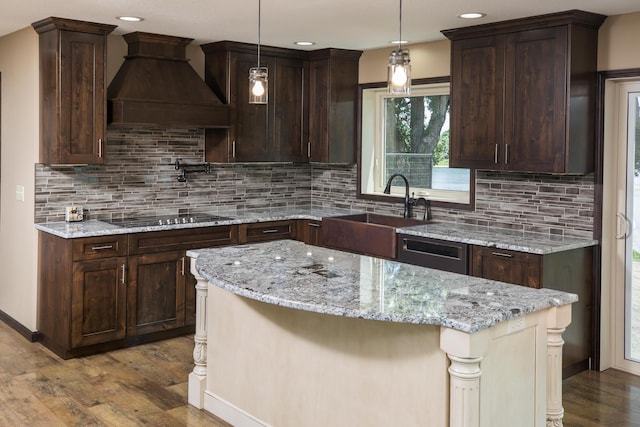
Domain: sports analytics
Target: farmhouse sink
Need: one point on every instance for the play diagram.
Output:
(368, 234)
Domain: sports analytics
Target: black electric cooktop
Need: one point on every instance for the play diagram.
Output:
(147, 221)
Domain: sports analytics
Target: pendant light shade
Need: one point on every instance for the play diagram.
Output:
(399, 69)
(258, 85)
(258, 76)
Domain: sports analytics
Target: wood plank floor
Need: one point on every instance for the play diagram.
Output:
(139, 386)
(147, 386)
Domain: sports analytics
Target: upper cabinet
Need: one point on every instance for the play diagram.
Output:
(72, 90)
(333, 94)
(259, 133)
(311, 112)
(523, 94)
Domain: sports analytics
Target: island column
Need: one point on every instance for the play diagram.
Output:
(198, 377)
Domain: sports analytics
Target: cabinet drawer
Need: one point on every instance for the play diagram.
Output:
(99, 247)
(185, 239)
(264, 231)
(518, 268)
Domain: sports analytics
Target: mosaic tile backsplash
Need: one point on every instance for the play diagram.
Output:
(140, 179)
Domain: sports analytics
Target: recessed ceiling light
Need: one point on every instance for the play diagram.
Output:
(472, 15)
(130, 18)
(302, 43)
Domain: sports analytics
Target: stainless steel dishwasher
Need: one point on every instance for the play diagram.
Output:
(433, 253)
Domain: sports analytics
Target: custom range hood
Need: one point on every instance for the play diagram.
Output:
(156, 86)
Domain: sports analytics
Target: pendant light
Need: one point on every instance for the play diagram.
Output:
(399, 69)
(258, 76)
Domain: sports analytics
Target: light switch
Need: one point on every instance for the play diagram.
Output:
(20, 193)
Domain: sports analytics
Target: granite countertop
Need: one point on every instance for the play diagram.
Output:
(477, 235)
(295, 275)
(499, 238)
(92, 228)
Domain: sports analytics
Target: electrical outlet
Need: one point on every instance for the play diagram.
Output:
(20, 193)
(516, 325)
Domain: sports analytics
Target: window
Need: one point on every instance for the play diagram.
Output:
(410, 135)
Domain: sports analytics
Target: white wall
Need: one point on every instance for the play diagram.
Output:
(20, 136)
(427, 60)
(618, 42)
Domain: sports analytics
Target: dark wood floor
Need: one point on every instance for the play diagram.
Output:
(147, 385)
(610, 398)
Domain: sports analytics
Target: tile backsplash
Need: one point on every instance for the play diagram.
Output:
(140, 179)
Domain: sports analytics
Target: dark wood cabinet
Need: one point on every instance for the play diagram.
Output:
(568, 271)
(101, 293)
(312, 110)
(332, 105)
(73, 102)
(98, 301)
(309, 231)
(523, 94)
(519, 268)
(259, 133)
(266, 231)
(156, 292)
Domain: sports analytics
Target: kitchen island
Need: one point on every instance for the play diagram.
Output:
(289, 334)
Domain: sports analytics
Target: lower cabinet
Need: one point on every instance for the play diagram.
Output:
(266, 231)
(98, 298)
(156, 292)
(519, 268)
(568, 271)
(309, 231)
(101, 293)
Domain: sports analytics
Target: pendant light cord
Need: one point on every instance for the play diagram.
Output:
(400, 39)
(259, 14)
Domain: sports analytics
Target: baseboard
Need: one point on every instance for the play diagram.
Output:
(20, 328)
(571, 370)
(229, 412)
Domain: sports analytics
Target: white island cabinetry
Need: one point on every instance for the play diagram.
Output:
(289, 334)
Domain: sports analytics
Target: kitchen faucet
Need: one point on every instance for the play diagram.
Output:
(427, 207)
(407, 200)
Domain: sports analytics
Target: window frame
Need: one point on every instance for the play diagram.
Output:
(395, 198)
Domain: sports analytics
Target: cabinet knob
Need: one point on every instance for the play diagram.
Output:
(506, 154)
(233, 149)
(495, 155)
(100, 147)
(124, 269)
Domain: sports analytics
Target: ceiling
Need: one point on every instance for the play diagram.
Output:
(348, 24)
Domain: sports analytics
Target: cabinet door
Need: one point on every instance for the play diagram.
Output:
(98, 300)
(250, 121)
(310, 231)
(288, 94)
(535, 100)
(333, 91)
(319, 97)
(518, 268)
(82, 97)
(156, 292)
(477, 84)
